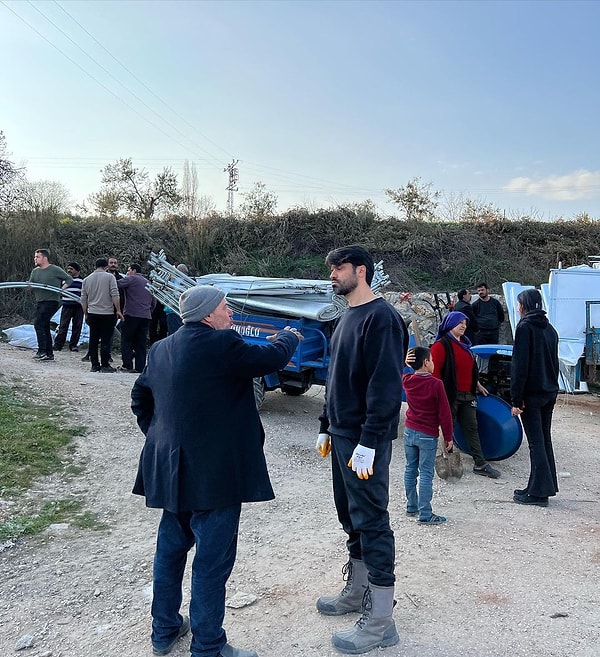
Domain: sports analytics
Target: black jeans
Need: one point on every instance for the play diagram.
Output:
(486, 336)
(43, 313)
(362, 509)
(69, 314)
(537, 422)
(101, 331)
(464, 411)
(134, 335)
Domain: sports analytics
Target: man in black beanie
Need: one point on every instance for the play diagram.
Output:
(202, 458)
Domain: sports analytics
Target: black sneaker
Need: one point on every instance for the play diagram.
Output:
(530, 499)
(487, 471)
(46, 357)
(95, 368)
(108, 369)
(73, 348)
(38, 355)
(86, 358)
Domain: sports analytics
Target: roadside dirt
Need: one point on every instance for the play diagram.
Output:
(497, 580)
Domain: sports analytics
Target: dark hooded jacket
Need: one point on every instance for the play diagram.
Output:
(534, 368)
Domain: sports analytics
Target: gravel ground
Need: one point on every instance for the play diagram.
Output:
(498, 579)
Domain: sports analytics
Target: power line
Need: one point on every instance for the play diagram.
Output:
(101, 66)
(135, 77)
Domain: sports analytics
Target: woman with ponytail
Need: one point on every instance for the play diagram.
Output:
(533, 391)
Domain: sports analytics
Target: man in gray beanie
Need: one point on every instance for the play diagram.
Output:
(203, 457)
(198, 302)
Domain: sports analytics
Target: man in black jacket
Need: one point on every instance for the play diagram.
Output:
(463, 305)
(489, 315)
(202, 458)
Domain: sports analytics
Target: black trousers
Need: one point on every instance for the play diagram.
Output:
(43, 314)
(362, 509)
(101, 332)
(134, 335)
(537, 422)
(487, 336)
(69, 314)
(464, 411)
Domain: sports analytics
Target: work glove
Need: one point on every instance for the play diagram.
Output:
(324, 444)
(361, 461)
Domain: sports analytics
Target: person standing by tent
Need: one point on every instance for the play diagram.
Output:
(533, 391)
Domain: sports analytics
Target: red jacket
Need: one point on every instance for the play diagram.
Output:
(428, 407)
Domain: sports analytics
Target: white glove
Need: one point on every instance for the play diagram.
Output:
(361, 461)
(324, 444)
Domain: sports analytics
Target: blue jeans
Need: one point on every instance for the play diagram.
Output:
(420, 450)
(214, 533)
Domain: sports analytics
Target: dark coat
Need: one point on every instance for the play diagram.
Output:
(534, 365)
(195, 404)
(472, 325)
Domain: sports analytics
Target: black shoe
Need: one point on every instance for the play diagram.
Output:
(46, 357)
(38, 355)
(95, 368)
(86, 358)
(107, 369)
(530, 499)
(520, 491)
(73, 348)
(56, 348)
(487, 471)
(184, 629)
(127, 370)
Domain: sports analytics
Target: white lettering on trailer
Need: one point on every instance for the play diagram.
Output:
(249, 331)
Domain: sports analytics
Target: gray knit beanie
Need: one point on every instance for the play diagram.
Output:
(198, 302)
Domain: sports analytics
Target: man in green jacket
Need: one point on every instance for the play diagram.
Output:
(48, 301)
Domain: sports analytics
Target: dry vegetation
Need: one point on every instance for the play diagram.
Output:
(418, 255)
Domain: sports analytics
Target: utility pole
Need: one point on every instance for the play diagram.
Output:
(234, 176)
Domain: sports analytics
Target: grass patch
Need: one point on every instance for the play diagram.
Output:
(32, 441)
(68, 511)
(36, 442)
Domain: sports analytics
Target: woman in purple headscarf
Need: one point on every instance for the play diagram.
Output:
(455, 366)
(533, 390)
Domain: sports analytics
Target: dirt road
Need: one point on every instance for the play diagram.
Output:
(497, 580)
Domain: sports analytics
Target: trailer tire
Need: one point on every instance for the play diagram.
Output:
(259, 392)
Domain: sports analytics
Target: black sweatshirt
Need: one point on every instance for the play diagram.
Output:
(534, 368)
(364, 386)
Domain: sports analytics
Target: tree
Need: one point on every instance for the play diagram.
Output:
(416, 200)
(132, 190)
(258, 202)
(44, 197)
(10, 178)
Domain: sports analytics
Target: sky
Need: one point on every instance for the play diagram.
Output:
(325, 103)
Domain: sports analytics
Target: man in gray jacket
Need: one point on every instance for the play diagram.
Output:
(100, 301)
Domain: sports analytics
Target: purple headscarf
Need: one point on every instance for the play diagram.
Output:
(451, 320)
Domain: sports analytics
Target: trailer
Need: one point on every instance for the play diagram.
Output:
(310, 362)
